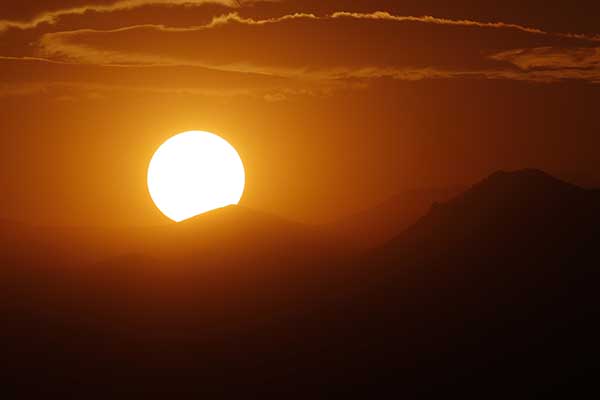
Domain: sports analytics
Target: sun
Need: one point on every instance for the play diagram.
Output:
(195, 172)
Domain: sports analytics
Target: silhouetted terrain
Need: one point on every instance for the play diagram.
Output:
(375, 226)
(493, 292)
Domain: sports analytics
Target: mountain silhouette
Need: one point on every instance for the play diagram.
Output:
(519, 209)
(492, 292)
(508, 271)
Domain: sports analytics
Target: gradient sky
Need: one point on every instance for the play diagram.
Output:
(334, 106)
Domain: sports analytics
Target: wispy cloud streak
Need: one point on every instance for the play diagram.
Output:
(550, 63)
(51, 17)
(383, 15)
(552, 58)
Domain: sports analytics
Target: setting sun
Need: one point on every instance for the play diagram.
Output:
(195, 172)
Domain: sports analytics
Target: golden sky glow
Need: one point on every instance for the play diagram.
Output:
(334, 106)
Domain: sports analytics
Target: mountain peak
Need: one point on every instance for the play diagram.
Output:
(530, 183)
(527, 204)
(529, 174)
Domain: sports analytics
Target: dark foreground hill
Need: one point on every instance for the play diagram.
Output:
(493, 293)
(499, 285)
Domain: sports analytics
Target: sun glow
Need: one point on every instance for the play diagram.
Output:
(195, 172)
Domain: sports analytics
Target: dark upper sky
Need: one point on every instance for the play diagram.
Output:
(333, 105)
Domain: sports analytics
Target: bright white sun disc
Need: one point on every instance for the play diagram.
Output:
(195, 172)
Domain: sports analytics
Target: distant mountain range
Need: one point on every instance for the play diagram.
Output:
(372, 227)
(493, 291)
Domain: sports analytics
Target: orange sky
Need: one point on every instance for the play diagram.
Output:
(333, 106)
